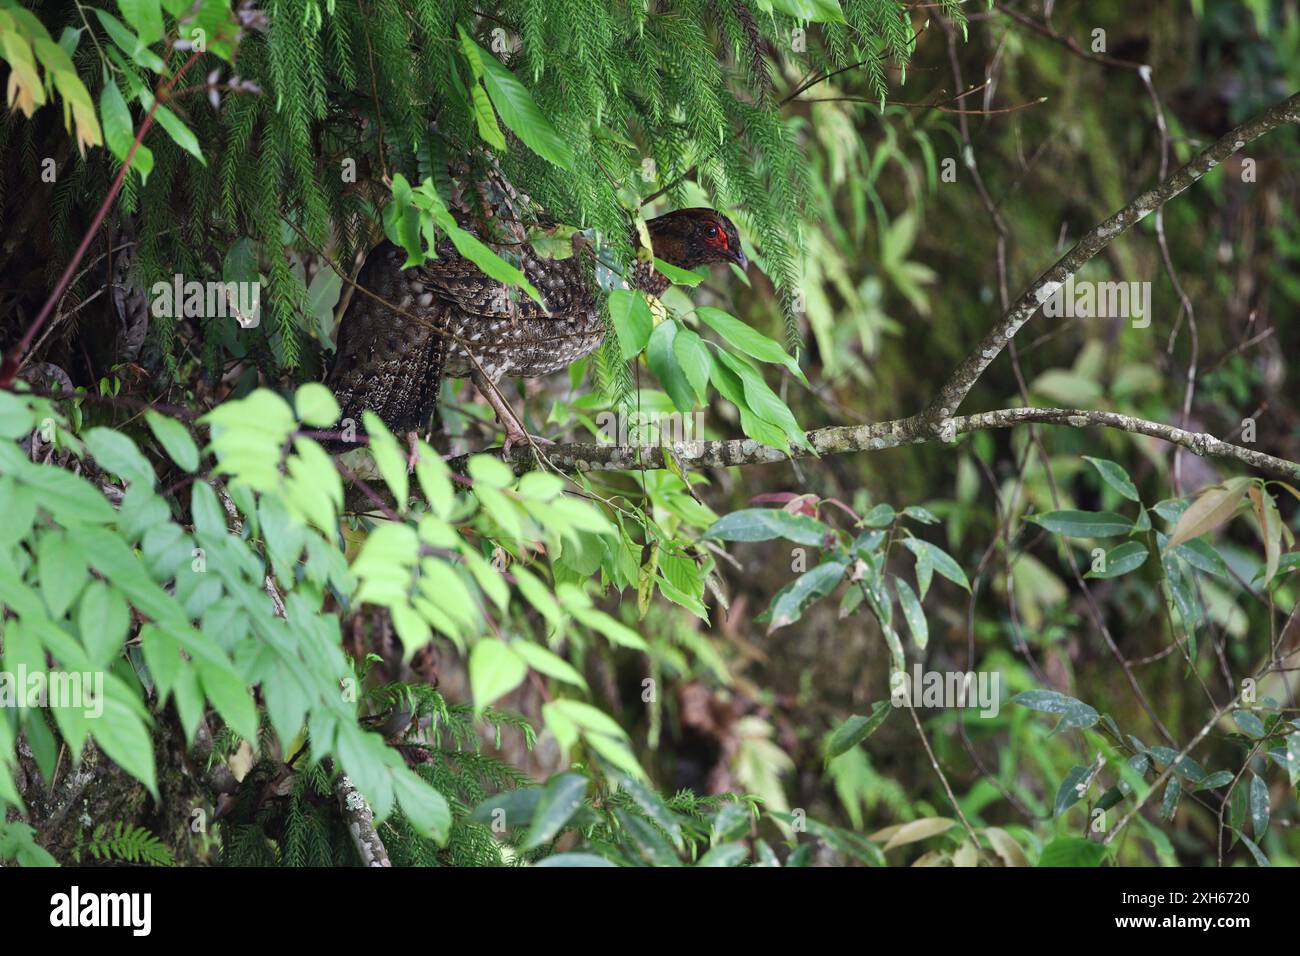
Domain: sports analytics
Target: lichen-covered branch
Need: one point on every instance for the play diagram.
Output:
(954, 391)
(878, 436)
(360, 821)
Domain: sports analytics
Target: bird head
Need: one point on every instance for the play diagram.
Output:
(693, 237)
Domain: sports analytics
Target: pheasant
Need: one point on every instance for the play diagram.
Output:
(394, 366)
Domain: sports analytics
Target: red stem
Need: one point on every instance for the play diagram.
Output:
(13, 362)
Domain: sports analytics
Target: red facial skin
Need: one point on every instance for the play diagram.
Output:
(716, 237)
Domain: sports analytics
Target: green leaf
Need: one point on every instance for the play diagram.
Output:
(547, 662)
(765, 524)
(1115, 476)
(1201, 555)
(116, 453)
(695, 362)
(1072, 851)
(1071, 789)
(316, 405)
(677, 275)
(518, 109)
(70, 498)
(62, 571)
(857, 729)
(1074, 713)
(1259, 807)
(653, 807)
(912, 613)
(560, 800)
(175, 439)
(630, 314)
(181, 134)
(574, 860)
(664, 364)
(817, 11)
(1250, 725)
(103, 619)
(761, 401)
(123, 736)
(130, 44)
(920, 514)
(725, 854)
(1083, 524)
(939, 559)
(145, 16)
(425, 807)
(1255, 851)
(1121, 559)
(388, 458)
(788, 605)
(494, 671)
(119, 133)
(740, 335)
(485, 118)
(228, 693)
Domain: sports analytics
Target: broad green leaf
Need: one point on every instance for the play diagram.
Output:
(1259, 806)
(788, 605)
(494, 671)
(1083, 524)
(1249, 724)
(145, 17)
(574, 860)
(425, 807)
(1115, 476)
(1071, 790)
(103, 619)
(517, 108)
(663, 362)
(316, 405)
(725, 854)
(938, 559)
(547, 662)
(1074, 713)
(1121, 559)
(389, 458)
(740, 335)
(632, 321)
(70, 498)
(119, 132)
(912, 613)
(677, 275)
(765, 524)
(857, 729)
(560, 800)
(124, 737)
(693, 357)
(117, 453)
(175, 439)
(816, 11)
(1072, 851)
(181, 134)
(62, 570)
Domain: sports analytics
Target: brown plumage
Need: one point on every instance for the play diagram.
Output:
(392, 365)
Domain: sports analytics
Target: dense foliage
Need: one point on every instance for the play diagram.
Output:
(676, 666)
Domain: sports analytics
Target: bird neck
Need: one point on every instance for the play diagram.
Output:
(649, 279)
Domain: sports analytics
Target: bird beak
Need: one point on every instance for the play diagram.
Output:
(740, 259)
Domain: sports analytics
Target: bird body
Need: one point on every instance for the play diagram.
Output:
(456, 321)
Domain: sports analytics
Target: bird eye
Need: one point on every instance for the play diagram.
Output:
(712, 232)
